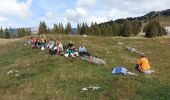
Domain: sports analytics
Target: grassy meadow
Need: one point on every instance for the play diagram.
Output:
(46, 77)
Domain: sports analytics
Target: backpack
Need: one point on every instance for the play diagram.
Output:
(120, 70)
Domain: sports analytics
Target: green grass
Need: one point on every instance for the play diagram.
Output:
(58, 78)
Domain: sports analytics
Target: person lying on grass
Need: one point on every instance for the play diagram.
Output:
(143, 65)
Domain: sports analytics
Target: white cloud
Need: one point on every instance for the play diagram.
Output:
(51, 15)
(81, 12)
(3, 19)
(104, 10)
(75, 15)
(15, 8)
(135, 6)
(96, 19)
(86, 3)
(116, 14)
(80, 15)
(12, 11)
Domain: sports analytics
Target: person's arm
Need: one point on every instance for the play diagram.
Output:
(85, 49)
(79, 49)
(140, 64)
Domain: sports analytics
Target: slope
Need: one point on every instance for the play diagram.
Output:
(48, 77)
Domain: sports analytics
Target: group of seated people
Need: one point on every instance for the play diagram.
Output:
(38, 42)
(73, 52)
(56, 47)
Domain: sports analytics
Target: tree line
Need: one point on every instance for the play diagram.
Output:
(14, 33)
(57, 29)
(126, 28)
(123, 28)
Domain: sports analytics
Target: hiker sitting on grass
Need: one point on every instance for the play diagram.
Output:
(38, 43)
(83, 52)
(59, 46)
(70, 44)
(43, 41)
(33, 42)
(72, 52)
(143, 65)
(51, 45)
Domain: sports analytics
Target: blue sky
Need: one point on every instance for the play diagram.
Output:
(28, 13)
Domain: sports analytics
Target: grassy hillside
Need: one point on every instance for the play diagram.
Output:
(164, 20)
(45, 77)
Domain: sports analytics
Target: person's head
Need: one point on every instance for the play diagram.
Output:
(70, 42)
(71, 47)
(142, 55)
(81, 45)
(58, 40)
(40, 36)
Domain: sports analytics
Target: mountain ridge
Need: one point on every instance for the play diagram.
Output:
(149, 16)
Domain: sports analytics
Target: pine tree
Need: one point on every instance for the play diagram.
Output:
(136, 27)
(87, 31)
(48, 30)
(103, 30)
(42, 28)
(55, 29)
(154, 29)
(68, 28)
(61, 28)
(82, 31)
(21, 32)
(115, 29)
(126, 29)
(78, 28)
(109, 30)
(96, 29)
(6, 34)
(28, 32)
(92, 29)
(1, 33)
